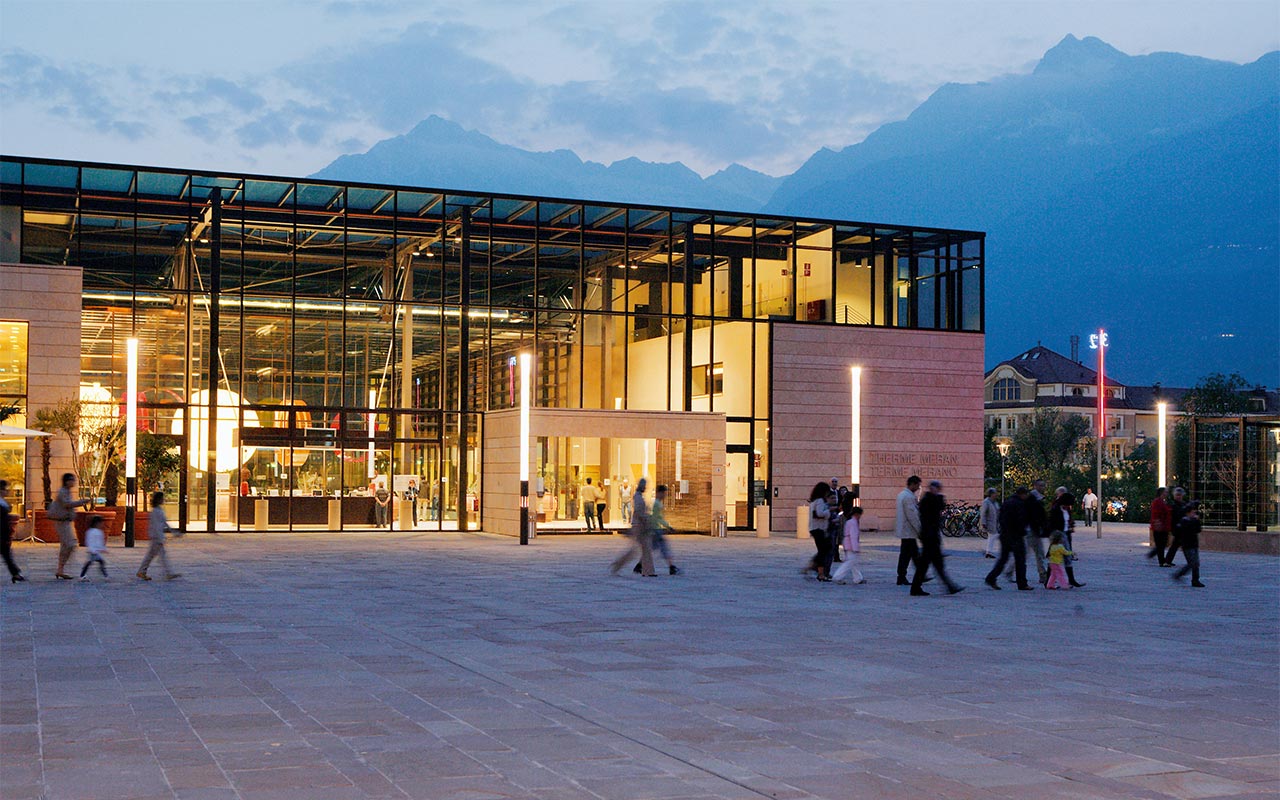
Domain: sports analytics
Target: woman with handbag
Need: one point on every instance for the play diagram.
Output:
(63, 511)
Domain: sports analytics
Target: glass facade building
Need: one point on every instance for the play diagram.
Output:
(340, 331)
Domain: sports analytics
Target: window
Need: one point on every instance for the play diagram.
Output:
(708, 379)
(1115, 451)
(13, 399)
(1076, 391)
(1007, 389)
(1257, 404)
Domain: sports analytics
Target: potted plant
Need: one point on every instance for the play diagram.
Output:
(156, 460)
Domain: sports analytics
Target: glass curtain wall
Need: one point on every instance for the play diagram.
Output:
(362, 331)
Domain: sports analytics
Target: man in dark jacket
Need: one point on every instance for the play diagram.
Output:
(1013, 533)
(932, 504)
(1036, 519)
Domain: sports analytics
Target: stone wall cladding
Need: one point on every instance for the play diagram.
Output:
(922, 413)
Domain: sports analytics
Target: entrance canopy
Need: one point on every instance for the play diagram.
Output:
(685, 450)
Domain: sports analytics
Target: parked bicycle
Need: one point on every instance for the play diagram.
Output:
(961, 519)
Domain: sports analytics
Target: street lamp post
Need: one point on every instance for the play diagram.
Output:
(1003, 447)
(1099, 341)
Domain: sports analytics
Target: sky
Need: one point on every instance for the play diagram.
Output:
(283, 87)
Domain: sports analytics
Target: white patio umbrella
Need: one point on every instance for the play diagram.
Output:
(14, 432)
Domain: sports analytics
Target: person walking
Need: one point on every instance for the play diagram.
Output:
(1059, 555)
(819, 517)
(641, 534)
(95, 541)
(659, 527)
(1013, 539)
(6, 534)
(849, 570)
(835, 529)
(62, 512)
(1177, 510)
(1188, 532)
(590, 495)
(1036, 519)
(1090, 501)
(932, 504)
(1161, 524)
(1060, 521)
(157, 529)
(989, 523)
(907, 527)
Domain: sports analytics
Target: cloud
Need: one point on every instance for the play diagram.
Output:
(79, 94)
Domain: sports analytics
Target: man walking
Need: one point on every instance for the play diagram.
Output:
(1013, 523)
(989, 523)
(1090, 501)
(589, 495)
(1036, 519)
(908, 527)
(1161, 525)
(932, 504)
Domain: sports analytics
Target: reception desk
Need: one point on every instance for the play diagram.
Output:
(308, 511)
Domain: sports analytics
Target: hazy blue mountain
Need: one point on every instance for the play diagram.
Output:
(439, 153)
(1133, 192)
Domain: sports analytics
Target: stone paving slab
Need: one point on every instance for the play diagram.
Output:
(463, 667)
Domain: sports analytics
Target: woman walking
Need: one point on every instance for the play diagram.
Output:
(641, 534)
(62, 512)
(819, 516)
(1060, 521)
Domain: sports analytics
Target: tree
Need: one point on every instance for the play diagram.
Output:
(1047, 446)
(46, 421)
(991, 457)
(157, 458)
(1218, 395)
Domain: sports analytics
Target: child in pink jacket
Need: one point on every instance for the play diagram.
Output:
(848, 570)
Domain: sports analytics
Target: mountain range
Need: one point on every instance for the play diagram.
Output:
(1136, 193)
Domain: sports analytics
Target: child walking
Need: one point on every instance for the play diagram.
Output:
(1058, 555)
(157, 527)
(95, 541)
(848, 569)
(1188, 532)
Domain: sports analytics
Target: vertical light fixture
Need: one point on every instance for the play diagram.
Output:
(130, 439)
(644, 473)
(373, 402)
(1162, 411)
(679, 463)
(855, 436)
(526, 364)
(1099, 342)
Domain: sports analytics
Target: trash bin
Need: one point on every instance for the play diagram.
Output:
(261, 513)
(335, 514)
(719, 525)
(802, 522)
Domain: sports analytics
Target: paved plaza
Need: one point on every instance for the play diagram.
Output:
(463, 666)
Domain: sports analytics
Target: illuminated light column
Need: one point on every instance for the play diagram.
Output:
(679, 465)
(1162, 410)
(855, 436)
(526, 363)
(130, 440)
(373, 402)
(644, 473)
(1098, 341)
